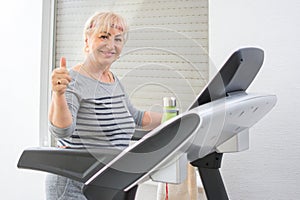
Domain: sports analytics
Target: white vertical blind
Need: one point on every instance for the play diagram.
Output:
(165, 55)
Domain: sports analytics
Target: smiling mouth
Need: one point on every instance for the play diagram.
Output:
(108, 53)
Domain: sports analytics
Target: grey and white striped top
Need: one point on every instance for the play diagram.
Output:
(102, 115)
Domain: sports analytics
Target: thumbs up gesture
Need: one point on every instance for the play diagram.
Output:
(60, 78)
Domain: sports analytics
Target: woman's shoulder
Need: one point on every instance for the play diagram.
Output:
(75, 70)
(77, 79)
(73, 73)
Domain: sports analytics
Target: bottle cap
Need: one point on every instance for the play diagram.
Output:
(169, 101)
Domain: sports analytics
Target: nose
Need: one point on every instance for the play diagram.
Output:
(110, 44)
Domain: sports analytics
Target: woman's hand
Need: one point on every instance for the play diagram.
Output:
(151, 120)
(60, 78)
(59, 113)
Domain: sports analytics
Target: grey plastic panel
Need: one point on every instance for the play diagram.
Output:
(236, 75)
(77, 164)
(147, 153)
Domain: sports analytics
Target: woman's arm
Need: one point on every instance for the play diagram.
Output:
(59, 113)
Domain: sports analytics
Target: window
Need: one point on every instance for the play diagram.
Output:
(165, 55)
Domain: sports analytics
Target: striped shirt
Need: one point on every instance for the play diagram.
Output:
(102, 115)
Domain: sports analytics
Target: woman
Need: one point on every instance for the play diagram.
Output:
(89, 107)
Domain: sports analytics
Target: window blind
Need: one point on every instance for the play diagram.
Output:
(166, 52)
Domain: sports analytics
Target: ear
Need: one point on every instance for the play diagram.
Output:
(86, 44)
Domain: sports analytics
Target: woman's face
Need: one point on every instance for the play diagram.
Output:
(105, 48)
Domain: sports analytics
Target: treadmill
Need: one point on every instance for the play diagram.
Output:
(217, 122)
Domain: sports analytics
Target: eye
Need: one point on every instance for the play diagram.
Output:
(118, 39)
(104, 37)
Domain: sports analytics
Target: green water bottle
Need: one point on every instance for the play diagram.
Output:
(170, 109)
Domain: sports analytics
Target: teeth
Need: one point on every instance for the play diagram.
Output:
(108, 53)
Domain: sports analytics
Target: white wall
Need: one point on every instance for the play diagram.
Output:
(20, 34)
(270, 169)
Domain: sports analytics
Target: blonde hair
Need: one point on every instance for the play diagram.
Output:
(103, 22)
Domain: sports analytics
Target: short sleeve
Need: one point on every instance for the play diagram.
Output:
(136, 114)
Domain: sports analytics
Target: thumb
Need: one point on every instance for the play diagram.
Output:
(63, 62)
